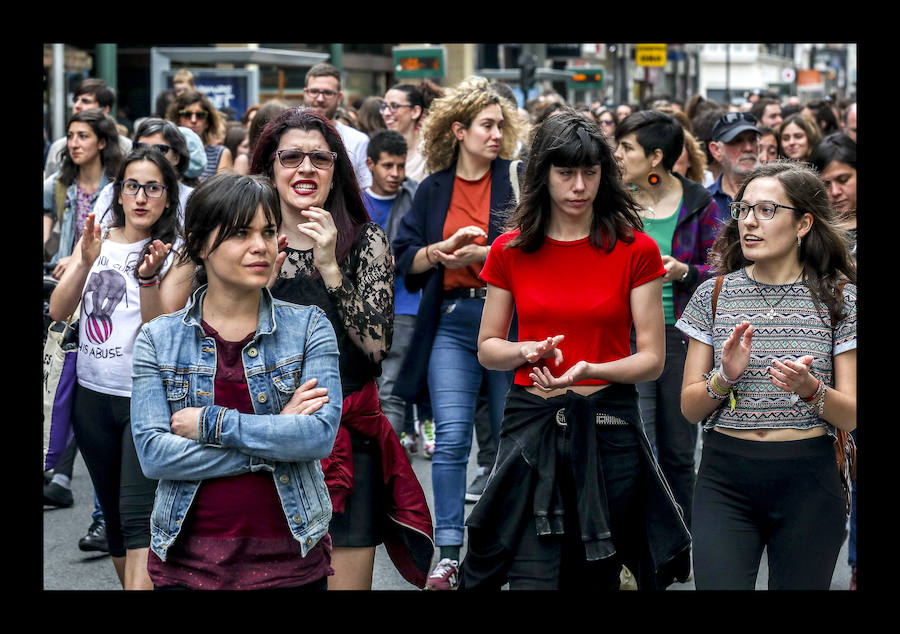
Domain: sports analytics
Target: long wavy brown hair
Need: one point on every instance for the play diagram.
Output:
(824, 253)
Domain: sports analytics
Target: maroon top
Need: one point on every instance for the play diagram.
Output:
(235, 535)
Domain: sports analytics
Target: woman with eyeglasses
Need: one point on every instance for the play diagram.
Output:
(193, 110)
(170, 142)
(771, 373)
(338, 259)
(90, 161)
(441, 246)
(681, 217)
(123, 277)
(404, 110)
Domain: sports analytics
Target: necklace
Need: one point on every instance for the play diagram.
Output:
(771, 313)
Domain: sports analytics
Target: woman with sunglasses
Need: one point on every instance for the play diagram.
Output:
(771, 372)
(193, 110)
(404, 110)
(440, 247)
(338, 259)
(122, 277)
(237, 398)
(91, 160)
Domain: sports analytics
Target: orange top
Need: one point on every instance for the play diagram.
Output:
(470, 204)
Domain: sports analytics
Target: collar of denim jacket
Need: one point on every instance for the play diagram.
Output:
(266, 320)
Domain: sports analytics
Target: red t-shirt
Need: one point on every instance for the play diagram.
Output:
(576, 290)
(470, 204)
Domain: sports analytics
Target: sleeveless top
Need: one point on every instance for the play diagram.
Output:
(213, 154)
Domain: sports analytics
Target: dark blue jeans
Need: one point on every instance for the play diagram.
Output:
(672, 437)
(454, 381)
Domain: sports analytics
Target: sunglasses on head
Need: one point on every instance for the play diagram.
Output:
(732, 117)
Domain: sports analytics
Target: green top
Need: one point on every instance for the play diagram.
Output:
(662, 230)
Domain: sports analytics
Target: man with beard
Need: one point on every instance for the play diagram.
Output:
(323, 93)
(735, 147)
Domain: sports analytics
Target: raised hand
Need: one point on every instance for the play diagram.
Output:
(154, 259)
(321, 228)
(532, 351)
(736, 351)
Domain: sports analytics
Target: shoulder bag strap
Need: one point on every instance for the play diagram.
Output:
(514, 178)
(715, 297)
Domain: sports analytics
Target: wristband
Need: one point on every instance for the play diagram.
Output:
(684, 277)
(712, 391)
(146, 279)
(148, 282)
(721, 373)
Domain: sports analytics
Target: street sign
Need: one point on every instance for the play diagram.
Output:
(585, 78)
(788, 75)
(419, 62)
(650, 54)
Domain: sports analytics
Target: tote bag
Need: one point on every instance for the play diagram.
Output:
(60, 353)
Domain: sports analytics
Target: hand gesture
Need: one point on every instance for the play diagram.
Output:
(532, 351)
(307, 399)
(320, 227)
(675, 269)
(462, 257)
(90, 241)
(154, 259)
(279, 260)
(736, 351)
(186, 423)
(462, 237)
(793, 376)
(545, 381)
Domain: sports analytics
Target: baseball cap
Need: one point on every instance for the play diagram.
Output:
(732, 124)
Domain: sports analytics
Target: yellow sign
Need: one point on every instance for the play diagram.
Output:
(650, 54)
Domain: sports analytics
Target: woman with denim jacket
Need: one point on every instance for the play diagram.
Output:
(681, 216)
(90, 161)
(575, 493)
(236, 399)
(336, 258)
(121, 278)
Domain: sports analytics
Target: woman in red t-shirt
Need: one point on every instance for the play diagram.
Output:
(575, 493)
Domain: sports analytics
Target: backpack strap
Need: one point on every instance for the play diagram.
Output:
(59, 199)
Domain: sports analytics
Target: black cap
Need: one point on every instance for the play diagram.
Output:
(732, 124)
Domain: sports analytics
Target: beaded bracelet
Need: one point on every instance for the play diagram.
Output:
(711, 390)
(817, 400)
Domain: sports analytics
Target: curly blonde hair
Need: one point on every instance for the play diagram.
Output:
(462, 103)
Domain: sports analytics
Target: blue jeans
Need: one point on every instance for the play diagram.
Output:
(454, 381)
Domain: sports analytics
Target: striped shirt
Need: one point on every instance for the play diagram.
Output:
(796, 328)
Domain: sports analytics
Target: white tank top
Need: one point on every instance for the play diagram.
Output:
(110, 318)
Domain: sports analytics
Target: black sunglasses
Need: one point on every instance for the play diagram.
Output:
(159, 146)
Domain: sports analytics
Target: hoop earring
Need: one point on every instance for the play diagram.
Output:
(653, 179)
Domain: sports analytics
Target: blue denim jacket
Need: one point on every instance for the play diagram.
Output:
(67, 237)
(174, 368)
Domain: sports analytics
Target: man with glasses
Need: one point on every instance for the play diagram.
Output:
(323, 93)
(91, 93)
(735, 147)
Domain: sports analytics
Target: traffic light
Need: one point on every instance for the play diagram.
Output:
(528, 70)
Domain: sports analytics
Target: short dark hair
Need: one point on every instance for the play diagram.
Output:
(389, 141)
(173, 137)
(655, 129)
(226, 201)
(759, 108)
(323, 70)
(836, 147)
(106, 96)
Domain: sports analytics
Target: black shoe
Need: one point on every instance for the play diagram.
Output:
(95, 538)
(473, 493)
(56, 495)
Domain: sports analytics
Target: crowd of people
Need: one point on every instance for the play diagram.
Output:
(316, 293)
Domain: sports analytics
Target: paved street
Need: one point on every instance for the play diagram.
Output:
(67, 568)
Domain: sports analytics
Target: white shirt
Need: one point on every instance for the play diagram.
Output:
(357, 144)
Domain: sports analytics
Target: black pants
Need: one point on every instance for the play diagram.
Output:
(785, 497)
(102, 425)
(558, 562)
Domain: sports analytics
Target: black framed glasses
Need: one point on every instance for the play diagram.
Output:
(315, 92)
(152, 190)
(761, 210)
(187, 114)
(292, 157)
(162, 147)
(392, 107)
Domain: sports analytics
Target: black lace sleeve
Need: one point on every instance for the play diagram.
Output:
(365, 298)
